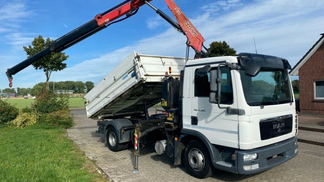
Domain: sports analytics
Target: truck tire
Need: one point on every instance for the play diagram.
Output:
(197, 160)
(113, 140)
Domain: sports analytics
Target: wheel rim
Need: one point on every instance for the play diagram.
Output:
(196, 159)
(112, 139)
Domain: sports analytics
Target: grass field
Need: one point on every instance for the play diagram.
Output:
(42, 153)
(76, 102)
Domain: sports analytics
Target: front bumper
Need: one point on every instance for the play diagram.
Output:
(268, 156)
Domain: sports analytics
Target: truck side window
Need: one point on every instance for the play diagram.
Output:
(202, 85)
(226, 83)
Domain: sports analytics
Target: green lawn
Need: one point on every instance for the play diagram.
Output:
(19, 103)
(42, 153)
(76, 102)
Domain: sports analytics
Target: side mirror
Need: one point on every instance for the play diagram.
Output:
(215, 86)
(213, 80)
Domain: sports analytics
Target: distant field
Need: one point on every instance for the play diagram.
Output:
(19, 103)
(22, 103)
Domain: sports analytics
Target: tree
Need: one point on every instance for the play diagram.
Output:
(295, 85)
(24, 91)
(49, 63)
(8, 90)
(62, 86)
(69, 85)
(220, 49)
(18, 91)
(38, 89)
(89, 85)
(79, 87)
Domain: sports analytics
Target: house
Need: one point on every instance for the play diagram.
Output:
(7, 95)
(70, 92)
(310, 70)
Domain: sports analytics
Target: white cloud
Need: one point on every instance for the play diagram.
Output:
(11, 13)
(221, 5)
(14, 10)
(155, 22)
(279, 27)
(18, 39)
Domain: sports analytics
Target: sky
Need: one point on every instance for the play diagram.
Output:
(282, 28)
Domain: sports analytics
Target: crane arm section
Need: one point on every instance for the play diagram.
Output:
(194, 38)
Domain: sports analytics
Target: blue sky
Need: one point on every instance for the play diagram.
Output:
(282, 28)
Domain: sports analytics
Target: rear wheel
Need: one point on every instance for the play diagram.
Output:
(197, 160)
(113, 140)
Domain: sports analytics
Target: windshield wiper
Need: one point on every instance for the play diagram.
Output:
(263, 103)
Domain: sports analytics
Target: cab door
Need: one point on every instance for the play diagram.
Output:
(207, 118)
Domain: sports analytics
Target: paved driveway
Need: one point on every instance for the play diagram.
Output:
(307, 166)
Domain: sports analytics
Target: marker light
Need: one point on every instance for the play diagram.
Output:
(251, 167)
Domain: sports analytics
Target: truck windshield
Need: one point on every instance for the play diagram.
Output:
(266, 88)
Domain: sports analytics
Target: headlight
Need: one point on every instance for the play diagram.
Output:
(250, 157)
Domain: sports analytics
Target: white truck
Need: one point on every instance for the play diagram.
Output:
(235, 113)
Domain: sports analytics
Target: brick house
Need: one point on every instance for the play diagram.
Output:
(310, 70)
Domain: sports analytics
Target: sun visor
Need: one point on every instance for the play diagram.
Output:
(253, 63)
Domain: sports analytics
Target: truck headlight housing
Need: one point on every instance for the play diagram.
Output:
(250, 157)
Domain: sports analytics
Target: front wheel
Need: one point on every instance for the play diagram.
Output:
(197, 160)
(113, 140)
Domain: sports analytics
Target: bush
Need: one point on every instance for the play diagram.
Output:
(26, 110)
(58, 118)
(49, 102)
(24, 119)
(7, 112)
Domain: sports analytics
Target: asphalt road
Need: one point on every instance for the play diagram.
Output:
(118, 166)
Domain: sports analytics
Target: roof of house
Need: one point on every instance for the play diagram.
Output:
(311, 51)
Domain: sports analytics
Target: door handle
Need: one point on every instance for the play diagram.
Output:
(194, 120)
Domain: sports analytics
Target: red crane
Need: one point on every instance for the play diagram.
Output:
(109, 17)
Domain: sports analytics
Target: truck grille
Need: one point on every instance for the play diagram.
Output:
(273, 127)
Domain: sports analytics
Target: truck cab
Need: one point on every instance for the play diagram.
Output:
(241, 108)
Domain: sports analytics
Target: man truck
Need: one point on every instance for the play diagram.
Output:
(234, 113)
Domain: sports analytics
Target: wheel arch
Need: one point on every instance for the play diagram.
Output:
(118, 124)
(189, 135)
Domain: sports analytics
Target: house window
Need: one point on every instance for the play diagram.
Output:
(319, 89)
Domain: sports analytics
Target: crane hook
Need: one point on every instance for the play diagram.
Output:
(10, 82)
